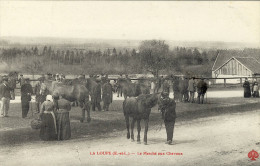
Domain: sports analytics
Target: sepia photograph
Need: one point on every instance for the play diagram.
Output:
(129, 83)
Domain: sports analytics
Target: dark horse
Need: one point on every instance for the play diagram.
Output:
(130, 89)
(139, 108)
(75, 92)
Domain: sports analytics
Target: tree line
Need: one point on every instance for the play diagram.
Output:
(152, 56)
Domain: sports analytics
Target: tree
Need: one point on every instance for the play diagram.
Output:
(153, 55)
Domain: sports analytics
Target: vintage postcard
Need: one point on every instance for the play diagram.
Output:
(129, 83)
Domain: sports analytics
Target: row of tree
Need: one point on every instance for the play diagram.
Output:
(154, 56)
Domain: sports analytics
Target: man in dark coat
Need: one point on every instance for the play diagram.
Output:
(107, 95)
(167, 108)
(39, 96)
(26, 92)
(166, 86)
(97, 96)
(176, 89)
(201, 90)
(247, 91)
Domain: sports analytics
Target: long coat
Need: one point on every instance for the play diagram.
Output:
(107, 95)
(26, 91)
(247, 91)
(97, 94)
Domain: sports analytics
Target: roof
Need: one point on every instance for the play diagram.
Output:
(251, 63)
(243, 57)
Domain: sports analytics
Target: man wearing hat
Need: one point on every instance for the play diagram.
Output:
(21, 80)
(201, 90)
(167, 109)
(26, 92)
(97, 96)
(5, 97)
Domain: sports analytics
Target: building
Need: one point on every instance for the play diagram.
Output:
(234, 66)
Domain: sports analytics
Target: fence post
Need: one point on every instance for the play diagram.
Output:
(241, 81)
(224, 82)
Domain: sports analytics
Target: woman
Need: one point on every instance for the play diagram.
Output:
(247, 91)
(48, 128)
(63, 119)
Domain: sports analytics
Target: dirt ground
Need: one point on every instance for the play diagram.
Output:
(221, 132)
(218, 140)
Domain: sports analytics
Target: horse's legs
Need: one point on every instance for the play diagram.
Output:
(146, 121)
(132, 129)
(127, 126)
(138, 129)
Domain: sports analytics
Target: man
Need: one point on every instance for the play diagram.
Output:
(107, 95)
(166, 86)
(184, 90)
(176, 89)
(191, 89)
(97, 96)
(201, 90)
(5, 96)
(26, 92)
(167, 109)
(21, 80)
(119, 88)
(40, 97)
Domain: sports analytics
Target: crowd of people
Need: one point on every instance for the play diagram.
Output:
(183, 88)
(54, 114)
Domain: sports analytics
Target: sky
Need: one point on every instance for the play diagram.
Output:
(168, 20)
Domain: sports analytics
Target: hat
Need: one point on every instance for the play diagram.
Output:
(49, 97)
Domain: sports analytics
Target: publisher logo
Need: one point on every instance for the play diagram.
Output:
(253, 154)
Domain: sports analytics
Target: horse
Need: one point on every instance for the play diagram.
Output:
(75, 92)
(139, 108)
(130, 89)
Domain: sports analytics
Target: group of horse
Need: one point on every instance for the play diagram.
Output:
(137, 102)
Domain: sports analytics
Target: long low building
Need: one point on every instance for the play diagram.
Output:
(226, 66)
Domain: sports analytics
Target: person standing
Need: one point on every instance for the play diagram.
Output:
(255, 89)
(21, 80)
(5, 97)
(166, 86)
(107, 95)
(48, 129)
(63, 119)
(247, 91)
(167, 108)
(37, 90)
(119, 88)
(176, 89)
(26, 92)
(191, 89)
(97, 96)
(201, 90)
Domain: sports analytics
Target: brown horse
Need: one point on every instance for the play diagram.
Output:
(139, 108)
(75, 92)
(130, 89)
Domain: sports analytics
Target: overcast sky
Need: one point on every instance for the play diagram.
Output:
(192, 21)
